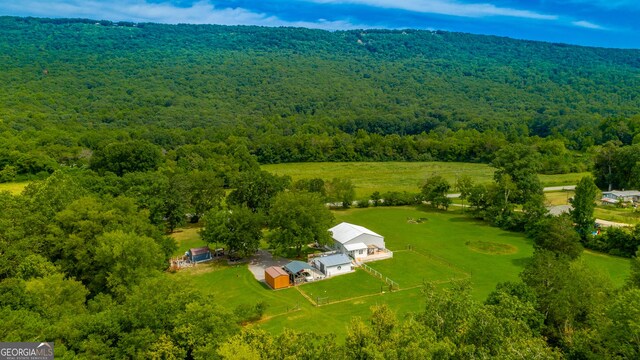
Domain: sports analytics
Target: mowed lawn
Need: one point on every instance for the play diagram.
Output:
(233, 285)
(451, 239)
(369, 177)
(410, 268)
(442, 240)
(342, 287)
(444, 247)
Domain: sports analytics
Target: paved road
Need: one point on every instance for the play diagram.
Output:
(606, 223)
(547, 189)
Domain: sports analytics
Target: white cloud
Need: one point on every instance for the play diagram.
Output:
(610, 4)
(445, 7)
(588, 25)
(202, 12)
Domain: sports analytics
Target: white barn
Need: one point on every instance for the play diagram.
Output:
(357, 241)
(333, 265)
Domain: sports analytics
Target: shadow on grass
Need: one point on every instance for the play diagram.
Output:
(264, 285)
(466, 219)
(521, 261)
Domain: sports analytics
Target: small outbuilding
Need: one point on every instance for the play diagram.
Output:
(200, 254)
(296, 270)
(332, 265)
(276, 277)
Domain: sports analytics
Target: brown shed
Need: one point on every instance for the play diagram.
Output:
(276, 277)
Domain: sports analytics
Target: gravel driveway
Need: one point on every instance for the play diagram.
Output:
(262, 260)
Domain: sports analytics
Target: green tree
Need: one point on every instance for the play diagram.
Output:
(125, 157)
(521, 163)
(204, 191)
(297, 219)
(239, 228)
(558, 235)
(256, 189)
(569, 294)
(340, 190)
(435, 190)
(125, 259)
(634, 276)
(464, 184)
(622, 336)
(583, 206)
(165, 349)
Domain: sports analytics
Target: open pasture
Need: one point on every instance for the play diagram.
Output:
(369, 177)
(410, 268)
(442, 240)
(443, 247)
(627, 215)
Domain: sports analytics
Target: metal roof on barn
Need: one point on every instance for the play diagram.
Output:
(344, 232)
(333, 260)
(296, 266)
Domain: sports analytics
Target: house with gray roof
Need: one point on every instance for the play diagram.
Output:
(333, 265)
(620, 196)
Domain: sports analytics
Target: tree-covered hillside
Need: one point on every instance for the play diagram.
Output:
(69, 87)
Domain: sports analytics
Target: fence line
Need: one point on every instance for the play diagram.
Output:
(392, 284)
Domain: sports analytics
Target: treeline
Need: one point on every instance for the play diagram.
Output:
(68, 87)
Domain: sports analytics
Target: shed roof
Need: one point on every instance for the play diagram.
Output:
(344, 232)
(275, 271)
(333, 260)
(296, 266)
(199, 251)
(356, 246)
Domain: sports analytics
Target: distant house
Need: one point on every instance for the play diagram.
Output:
(357, 241)
(617, 196)
(200, 254)
(333, 265)
(276, 277)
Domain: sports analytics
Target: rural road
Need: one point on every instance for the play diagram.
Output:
(547, 189)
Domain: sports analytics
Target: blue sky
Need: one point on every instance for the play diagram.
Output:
(604, 23)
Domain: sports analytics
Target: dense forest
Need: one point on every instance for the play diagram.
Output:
(130, 130)
(71, 87)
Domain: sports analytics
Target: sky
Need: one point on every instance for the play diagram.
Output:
(602, 23)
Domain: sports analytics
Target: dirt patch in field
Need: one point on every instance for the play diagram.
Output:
(491, 248)
(416, 221)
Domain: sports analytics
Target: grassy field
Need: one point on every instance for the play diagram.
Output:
(558, 197)
(446, 246)
(358, 283)
(369, 177)
(442, 239)
(612, 213)
(13, 187)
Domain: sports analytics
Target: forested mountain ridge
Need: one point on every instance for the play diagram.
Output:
(178, 84)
